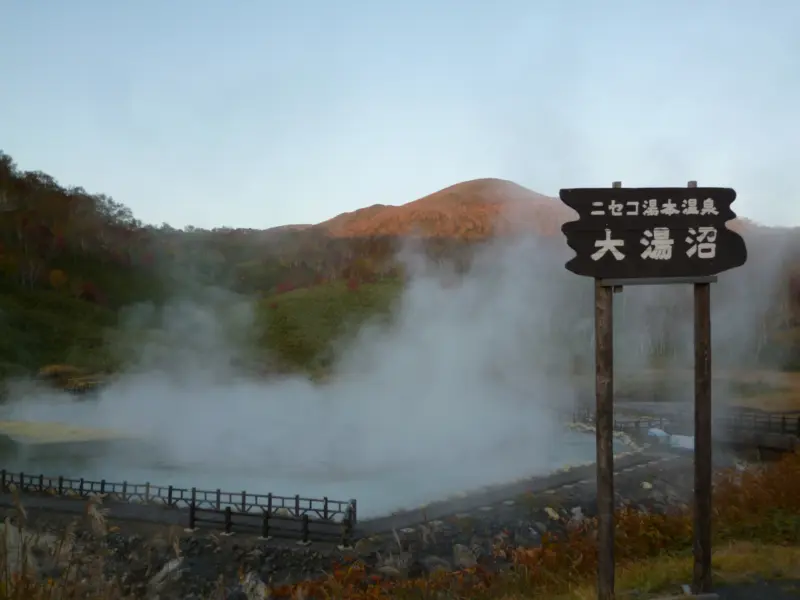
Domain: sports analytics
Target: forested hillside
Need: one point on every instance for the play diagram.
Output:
(70, 259)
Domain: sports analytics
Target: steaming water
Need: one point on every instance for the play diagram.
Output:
(463, 389)
(404, 485)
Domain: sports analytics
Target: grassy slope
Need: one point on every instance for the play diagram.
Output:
(44, 327)
(299, 330)
(303, 326)
(296, 331)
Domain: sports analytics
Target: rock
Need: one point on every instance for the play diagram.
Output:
(237, 593)
(18, 547)
(390, 571)
(428, 534)
(365, 546)
(169, 573)
(504, 537)
(160, 545)
(463, 557)
(576, 517)
(394, 565)
(253, 588)
(530, 538)
(434, 564)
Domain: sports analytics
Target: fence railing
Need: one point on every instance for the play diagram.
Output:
(767, 423)
(340, 513)
(630, 425)
(267, 525)
(745, 422)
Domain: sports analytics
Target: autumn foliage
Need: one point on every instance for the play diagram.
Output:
(69, 243)
(759, 504)
(472, 210)
(50, 234)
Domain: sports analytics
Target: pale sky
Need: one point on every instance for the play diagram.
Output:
(256, 113)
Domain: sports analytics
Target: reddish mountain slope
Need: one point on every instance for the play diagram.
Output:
(471, 209)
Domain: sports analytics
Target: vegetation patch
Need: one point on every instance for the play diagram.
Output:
(306, 327)
(760, 507)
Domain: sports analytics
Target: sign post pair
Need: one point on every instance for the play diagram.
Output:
(652, 236)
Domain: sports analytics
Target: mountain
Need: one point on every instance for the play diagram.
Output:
(72, 262)
(472, 209)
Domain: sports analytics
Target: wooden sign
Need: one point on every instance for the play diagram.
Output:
(653, 233)
(652, 236)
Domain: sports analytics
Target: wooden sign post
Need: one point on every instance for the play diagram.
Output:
(652, 236)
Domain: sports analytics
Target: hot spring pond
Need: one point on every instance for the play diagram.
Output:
(379, 490)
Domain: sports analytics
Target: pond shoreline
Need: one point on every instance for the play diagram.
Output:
(378, 494)
(451, 542)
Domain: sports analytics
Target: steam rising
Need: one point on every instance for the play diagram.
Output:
(466, 387)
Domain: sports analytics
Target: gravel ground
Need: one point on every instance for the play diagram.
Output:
(139, 552)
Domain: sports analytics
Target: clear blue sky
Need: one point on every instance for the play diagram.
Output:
(255, 113)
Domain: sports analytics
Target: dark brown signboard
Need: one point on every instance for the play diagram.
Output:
(632, 233)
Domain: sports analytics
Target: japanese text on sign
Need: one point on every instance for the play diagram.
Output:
(652, 233)
(654, 208)
(700, 242)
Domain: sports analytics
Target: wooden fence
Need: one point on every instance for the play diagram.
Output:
(279, 525)
(320, 519)
(765, 423)
(629, 425)
(740, 423)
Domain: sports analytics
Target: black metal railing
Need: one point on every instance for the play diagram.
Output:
(320, 519)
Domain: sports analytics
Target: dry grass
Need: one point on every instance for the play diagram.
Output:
(781, 391)
(59, 371)
(27, 556)
(56, 433)
(733, 563)
(756, 529)
(39, 566)
(760, 507)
